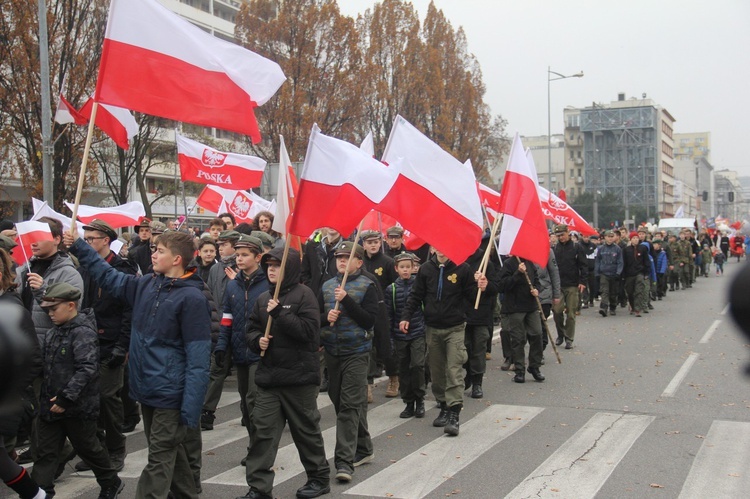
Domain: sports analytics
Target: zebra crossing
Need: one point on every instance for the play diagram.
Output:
(578, 467)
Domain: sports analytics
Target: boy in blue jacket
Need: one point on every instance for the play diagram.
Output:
(661, 263)
(410, 347)
(169, 357)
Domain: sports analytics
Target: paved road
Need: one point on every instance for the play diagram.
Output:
(652, 406)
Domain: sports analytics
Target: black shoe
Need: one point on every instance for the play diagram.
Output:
(603, 312)
(129, 426)
(442, 418)
(419, 409)
(408, 411)
(520, 376)
(344, 474)
(207, 420)
(360, 459)
(313, 488)
(25, 457)
(650, 307)
(63, 462)
(324, 381)
(451, 426)
(506, 364)
(476, 392)
(534, 371)
(467, 381)
(112, 491)
(559, 340)
(244, 461)
(613, 312)
(568, 345)
(254, 494)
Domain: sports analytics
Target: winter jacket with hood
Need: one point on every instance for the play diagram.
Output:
(71, 369)
(170, 343)
(239, 299)
(292, 357)
(60, 269)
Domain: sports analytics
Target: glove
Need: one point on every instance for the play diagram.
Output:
(219, 358)
(117, 358)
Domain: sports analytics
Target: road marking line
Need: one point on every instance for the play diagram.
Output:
(380, 420)
(585, 461)
(671, 388)
(726, 309)
(710, 331)
(419, 473)
(720, 467)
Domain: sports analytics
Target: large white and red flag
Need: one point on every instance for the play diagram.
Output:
(66, 113)
(523, 232)
(155, 62)
(118, 216)
(282, 220)
(339, 185)
(42, 209)
(560, 212)
(381, 222)
(206, 165)
(117, 122)
(244, 205)
(29, 233)
(490, 201)
(433, 191)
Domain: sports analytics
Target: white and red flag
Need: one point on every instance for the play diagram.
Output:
(433, 191)
(117, 122)
(42, 209)
(155, 62)
(490, 199)
(560, 212)
(206, 165)
(285, 199)
(339, 185)
(243, 205)
(118, 216)
(66, 113)
(29, 233)
(523, 232)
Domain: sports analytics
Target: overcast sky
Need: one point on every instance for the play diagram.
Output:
(689, 56)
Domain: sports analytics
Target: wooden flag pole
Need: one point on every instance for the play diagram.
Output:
(486, 257)
(82, 173)
(348, 263)
(277, 289)
(544, 319)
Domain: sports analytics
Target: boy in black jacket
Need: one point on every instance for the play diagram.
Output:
(410, 347)
(288, 376)
(445, 290)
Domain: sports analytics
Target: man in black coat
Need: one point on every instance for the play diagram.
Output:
(573, 267)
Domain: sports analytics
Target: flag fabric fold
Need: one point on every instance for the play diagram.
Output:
(432, 186)
(523, 232)
(339, 185)
(124, 215)
(66, 113)
(285, 198)
(155, 62)
(206, 165)
(42, 209)
(118, 123)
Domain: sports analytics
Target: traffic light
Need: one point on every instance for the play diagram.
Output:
(705, 195)
(730, 196)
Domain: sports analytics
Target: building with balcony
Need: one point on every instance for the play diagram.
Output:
(695, 145)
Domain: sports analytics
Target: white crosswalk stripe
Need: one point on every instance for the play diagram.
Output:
(380, 420)
(581, 465)
(721, 467)
(422, 471)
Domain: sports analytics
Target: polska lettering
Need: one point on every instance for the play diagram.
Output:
(216, 178)
(559, 219)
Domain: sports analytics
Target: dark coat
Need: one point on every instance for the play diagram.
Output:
(318, 264)
(140, 254)
(113, 316)
(71, 369)
(292, 357)
(239, 300)
(515, 289)
(483, 315)
(636, 260)
(572, 264)
(382, 267)
(395, 299)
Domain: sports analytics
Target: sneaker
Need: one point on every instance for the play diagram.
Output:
(25, 457)
(344, 474)
(112, 491)
(129, 426)
(360, 459)
(568, 345)
(313, 488)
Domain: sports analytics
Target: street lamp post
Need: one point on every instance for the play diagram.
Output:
(551, 78)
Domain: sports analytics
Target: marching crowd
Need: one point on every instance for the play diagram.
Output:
(151, 333)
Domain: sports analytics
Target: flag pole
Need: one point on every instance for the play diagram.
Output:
(187, 214)
(544, 319)
(486, 257)
(82, 173)
(348, 263)
(23, 250)
(277, 289)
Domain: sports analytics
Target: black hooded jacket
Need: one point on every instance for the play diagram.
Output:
(292, 355)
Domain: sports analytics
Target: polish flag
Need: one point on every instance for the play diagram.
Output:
(205, 165)
(432, 186)
(118, 123)
(30, 233)
(282, 220)
(490, 199)
(155, 62)
(66, 113)
(381, 222)
(339, 185)
(560, 212)
(42, 209)
(243, 205)
(119, 216)
(523, 232)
